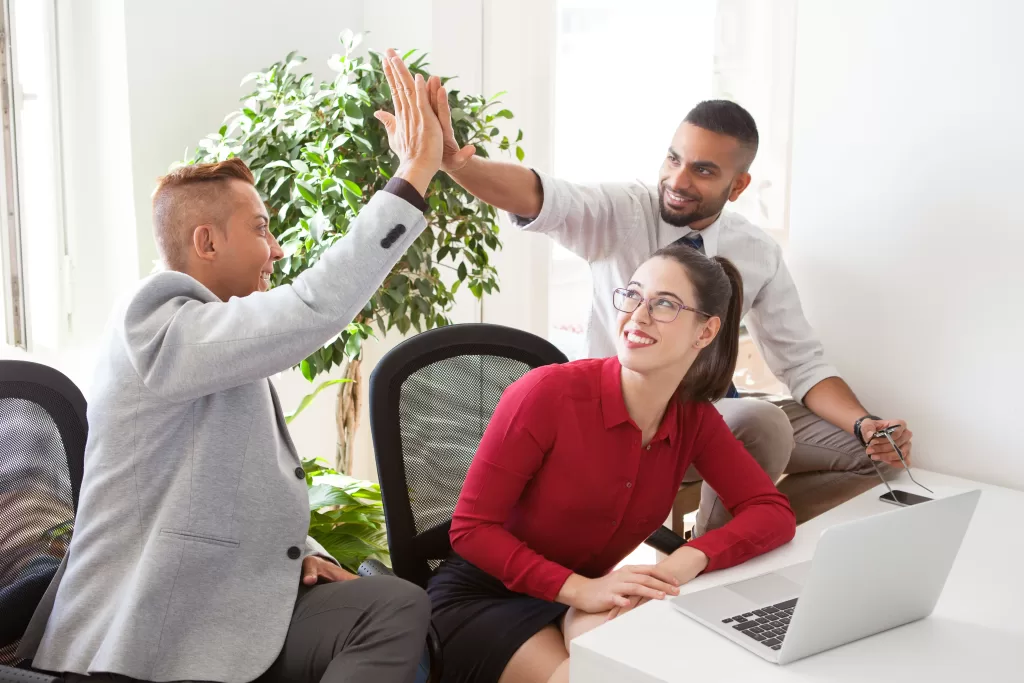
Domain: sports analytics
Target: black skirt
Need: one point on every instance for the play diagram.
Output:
(481, 622)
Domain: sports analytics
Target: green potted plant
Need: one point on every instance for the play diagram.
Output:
(318, 154)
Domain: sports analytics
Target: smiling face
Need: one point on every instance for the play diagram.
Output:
(702, 171)
(210, 223)
(233, 254)
(647, 344)
(245, 258)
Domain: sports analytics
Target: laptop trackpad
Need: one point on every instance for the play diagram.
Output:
(767, 589)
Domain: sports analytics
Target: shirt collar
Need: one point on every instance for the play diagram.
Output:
(613, 405)
(709, 234)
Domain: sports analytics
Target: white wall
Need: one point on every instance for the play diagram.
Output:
(905, 238)
(519, 54)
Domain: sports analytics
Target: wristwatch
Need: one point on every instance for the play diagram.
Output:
(856, 427)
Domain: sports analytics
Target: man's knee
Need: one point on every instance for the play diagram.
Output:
(390, 606)
(764, 429)
(405, 603)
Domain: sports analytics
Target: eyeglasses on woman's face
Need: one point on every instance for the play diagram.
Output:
(662, 309)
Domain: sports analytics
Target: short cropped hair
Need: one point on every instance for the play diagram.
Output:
(727, 118)
(190, 196)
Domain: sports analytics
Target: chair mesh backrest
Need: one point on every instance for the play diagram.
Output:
(443, 411)
(39, 431)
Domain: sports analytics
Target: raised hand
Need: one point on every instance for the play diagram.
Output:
(453, 157)
(414, 133)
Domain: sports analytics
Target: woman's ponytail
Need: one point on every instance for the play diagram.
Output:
(719, 290)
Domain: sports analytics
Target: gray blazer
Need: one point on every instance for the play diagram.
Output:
(186, 557)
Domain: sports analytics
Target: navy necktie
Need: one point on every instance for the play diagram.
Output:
(695, 241)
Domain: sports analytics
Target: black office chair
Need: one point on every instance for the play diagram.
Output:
(43, 431)
(431, 398)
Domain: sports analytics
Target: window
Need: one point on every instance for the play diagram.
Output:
(34, 244)
(622, 77)
(626, 74)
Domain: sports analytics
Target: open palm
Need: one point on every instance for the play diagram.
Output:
(453, 157)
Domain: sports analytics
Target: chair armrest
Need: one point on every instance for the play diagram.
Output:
(373, 567)
(431, 670)
(8, 674)
(665, 540)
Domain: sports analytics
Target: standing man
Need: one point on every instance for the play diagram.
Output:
(817, 437)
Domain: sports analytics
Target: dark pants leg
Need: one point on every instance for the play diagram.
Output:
(370, 629)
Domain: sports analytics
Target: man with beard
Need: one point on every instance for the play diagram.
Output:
(820, 437)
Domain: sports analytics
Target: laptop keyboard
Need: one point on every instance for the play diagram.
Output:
(767, 625)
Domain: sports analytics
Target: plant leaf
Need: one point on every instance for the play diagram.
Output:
(324, 495)
(305, 191)
(351, 200)
(308, 398)
(353, 188)
(318, 225)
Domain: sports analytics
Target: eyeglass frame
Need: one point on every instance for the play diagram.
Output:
(627, 293)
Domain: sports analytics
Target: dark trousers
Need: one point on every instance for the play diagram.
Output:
(368, 629)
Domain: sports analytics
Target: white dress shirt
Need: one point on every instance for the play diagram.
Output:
(617, 226)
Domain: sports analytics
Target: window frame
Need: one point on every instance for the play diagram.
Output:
(17, 285)
(12, 289)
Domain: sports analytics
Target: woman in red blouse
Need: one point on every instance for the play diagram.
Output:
(581, 462)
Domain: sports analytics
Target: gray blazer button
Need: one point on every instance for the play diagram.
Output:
(299, 473)
(294, 552)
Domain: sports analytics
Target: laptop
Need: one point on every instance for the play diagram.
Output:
(867, 576)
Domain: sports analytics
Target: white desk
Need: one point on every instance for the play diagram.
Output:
(975, 635)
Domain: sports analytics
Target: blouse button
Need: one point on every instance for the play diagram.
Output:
(629, 484)
(648, 446)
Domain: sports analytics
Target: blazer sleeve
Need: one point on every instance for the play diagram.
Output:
(183, 345)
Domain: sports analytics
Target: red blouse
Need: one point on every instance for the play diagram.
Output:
(561, 483)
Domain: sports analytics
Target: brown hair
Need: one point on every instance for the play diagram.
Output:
(719, 291)
(187, 197)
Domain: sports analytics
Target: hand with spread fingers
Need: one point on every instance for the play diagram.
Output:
(414, 133)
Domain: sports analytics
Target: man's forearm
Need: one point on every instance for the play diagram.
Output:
(504, 185)
(834, 400)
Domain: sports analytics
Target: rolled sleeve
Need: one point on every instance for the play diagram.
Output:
(588, 220)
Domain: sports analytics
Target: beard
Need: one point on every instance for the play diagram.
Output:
(703, 209)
